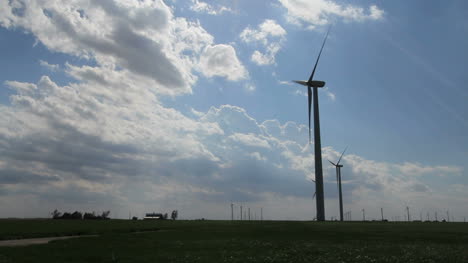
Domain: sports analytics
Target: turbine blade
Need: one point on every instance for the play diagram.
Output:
(302, 82)
(309, 93)
(320, 53)
(342, 155)
(332, 163)
(313, 196)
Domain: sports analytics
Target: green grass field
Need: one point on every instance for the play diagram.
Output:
(225, 241)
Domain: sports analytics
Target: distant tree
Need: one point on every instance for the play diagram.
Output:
(66, 215)
(105, 215)
(165, 216)
(56, 214)
(89, 216)
(77, 215)
(174, 215)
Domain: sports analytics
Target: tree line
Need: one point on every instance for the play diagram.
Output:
(78, 215)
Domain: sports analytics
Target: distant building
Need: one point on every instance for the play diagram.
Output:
(154, 216)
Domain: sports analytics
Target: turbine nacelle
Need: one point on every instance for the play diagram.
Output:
(312, 83)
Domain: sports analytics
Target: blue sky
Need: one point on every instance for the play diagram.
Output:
(148, 105)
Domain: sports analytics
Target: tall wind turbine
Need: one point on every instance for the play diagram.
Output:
(313, 85)
(338, 181)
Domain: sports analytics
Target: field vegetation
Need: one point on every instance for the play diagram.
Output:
(226, 241)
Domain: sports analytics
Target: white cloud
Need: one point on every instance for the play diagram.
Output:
(51, 67)
(416, 169)
(375, 12)
(284, 82)
(329, 94)
(138, 37)
(269, 28)
(268, 57)
(312, 13)
(257, 156)
(96, 142)
(203, 7)
(270, 35)
(221, 60)
(249, 140)
(250, 88)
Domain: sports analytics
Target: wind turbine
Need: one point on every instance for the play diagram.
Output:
(338, 181)
(313, 85)
(315, 191)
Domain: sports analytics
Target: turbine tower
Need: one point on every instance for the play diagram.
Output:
(313, 85)
(338, 181)
(232, 212)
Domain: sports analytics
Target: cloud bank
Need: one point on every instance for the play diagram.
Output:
(312, 13)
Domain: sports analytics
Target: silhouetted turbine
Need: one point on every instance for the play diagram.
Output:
(314, 192)
(315, 84)
(338, 181)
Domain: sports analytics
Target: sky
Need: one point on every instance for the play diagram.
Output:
(141, 106)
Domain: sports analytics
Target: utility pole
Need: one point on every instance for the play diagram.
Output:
(427, 216)
(381, 213)
(363, 214)
(232, 212)
(436, 216)
(241, 212)
(420, 216)
(261, 213)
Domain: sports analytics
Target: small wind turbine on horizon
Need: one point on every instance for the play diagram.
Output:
(338, 181)
(315, 84)
(315, 191)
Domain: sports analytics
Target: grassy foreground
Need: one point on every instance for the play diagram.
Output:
(225, 241)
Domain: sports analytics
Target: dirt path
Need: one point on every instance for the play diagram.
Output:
(35, 241)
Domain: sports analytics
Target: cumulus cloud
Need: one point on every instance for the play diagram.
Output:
(312, 13)
(203, 7)
(330, 94)
(269, 28)
(270, 35)
(249, 87)
(140, 37)
(51, 67)
(221, 60)
(249, 140)
(112, 144)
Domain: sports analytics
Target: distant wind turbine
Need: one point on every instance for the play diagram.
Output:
(232, 212)
(315, 191)
(315, 84)
(338, 181)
